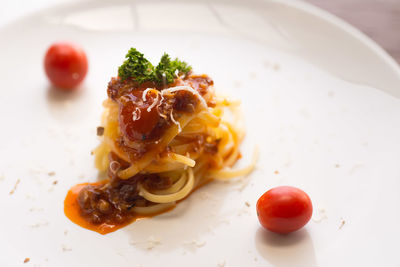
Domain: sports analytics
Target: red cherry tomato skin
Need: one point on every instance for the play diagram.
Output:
(66, 65)
(284, 209)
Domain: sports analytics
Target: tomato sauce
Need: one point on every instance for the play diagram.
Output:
(73, 212)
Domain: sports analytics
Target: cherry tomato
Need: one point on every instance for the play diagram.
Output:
(65, 65)
(284, 209)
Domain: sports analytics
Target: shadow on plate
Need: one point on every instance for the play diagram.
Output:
(68, 105)
(186, 226)
(61, 96)
(294, 249)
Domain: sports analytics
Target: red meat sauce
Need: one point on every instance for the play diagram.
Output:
(142, 124)
(107, 206)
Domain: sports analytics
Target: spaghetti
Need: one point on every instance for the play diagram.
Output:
(159, 143)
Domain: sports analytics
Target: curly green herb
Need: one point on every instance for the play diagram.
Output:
(135, 66)
(141, 70)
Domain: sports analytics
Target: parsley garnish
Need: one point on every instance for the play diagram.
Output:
(141, 70)
(168, 69)
(135, 66)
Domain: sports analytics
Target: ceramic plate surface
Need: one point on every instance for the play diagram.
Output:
(320, 100)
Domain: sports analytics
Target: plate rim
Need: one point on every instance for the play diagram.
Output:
(302, 5)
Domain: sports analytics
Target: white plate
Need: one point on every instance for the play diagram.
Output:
(320, 100)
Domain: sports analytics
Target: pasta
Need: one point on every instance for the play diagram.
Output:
(179, 140)
(159, 143)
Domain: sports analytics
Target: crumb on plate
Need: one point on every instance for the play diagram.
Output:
(276, 67)
(100, 131)
(15, 187)
(39, 224)
(321, 215)
(65, 248)
(195, 243)
(342, 223)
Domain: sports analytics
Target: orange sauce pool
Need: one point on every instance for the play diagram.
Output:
(73, 212)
